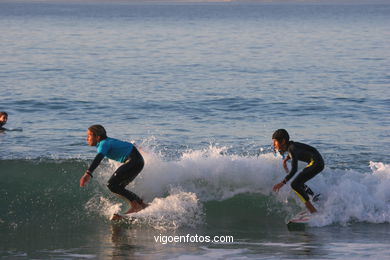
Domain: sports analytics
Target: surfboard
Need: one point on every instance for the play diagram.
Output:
(122, 218)
(299, 222)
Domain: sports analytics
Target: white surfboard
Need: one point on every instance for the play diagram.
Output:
(299, 221)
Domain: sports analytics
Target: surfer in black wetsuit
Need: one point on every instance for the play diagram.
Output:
(298, 152)
(3, 120)
(123, 152)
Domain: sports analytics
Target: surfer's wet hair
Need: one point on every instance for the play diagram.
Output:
(98, 130)
(281, 134)
(4, 114)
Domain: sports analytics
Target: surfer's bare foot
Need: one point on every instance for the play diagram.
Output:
(310, 207)
(116, 217)
(135, 207)
(144, 205)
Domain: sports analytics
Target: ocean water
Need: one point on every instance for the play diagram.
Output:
(200, 87)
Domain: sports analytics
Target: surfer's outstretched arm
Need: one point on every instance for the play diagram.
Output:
(88, 173)
(290, 173)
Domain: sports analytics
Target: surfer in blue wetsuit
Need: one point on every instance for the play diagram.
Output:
(3, 120)
(298, 152)
(120, 151)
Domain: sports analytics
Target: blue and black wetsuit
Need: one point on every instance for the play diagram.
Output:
(132, 160)
(303, 152)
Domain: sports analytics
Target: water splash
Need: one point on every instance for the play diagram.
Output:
(185, 184)
(179, 209)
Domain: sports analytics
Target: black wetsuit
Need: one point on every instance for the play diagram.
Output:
(125, 174)
(303, 152)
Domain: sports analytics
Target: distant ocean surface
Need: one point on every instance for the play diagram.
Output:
(200, 88)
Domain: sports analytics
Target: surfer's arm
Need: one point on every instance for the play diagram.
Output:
(11, 129)
(95, 163)
(280, 184)
(88, 173)
(294, 168)
(285, 163)
(289, 176)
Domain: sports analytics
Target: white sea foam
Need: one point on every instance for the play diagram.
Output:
(353, 196)
(209, 173)
(102, 206)
(212, 174)
(179, 209)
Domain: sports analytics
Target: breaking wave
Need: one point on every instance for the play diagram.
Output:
(185, 192)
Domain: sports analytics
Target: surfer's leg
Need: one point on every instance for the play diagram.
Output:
(122, 177)
(310, 207)
(308, 190)
(298, 184)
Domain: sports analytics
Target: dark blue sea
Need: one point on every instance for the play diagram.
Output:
(200, 88)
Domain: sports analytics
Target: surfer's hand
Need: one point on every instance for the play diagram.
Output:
(84, 179)
(277, 187)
